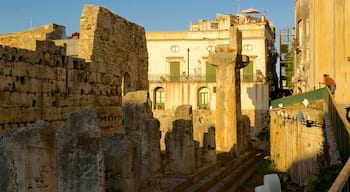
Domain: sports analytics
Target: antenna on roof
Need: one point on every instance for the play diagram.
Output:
(238, 5)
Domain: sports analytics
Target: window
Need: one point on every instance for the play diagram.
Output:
(126, 84)
(175, 48)
(300, 32)
(248, 72)
(160, 98)
(203, 98)
(214, 25)
(248, 47)
(210, 73)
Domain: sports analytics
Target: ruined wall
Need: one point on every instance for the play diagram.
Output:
(26, 39)
(296, 148)
(202, 120)
(117, 47)
(46, 84)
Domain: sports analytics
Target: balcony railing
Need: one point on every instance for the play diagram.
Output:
(158, 78)
(245, 78)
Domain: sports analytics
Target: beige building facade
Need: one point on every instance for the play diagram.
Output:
(322, 36)
(179, 71)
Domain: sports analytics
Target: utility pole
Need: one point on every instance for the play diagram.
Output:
(188, 63)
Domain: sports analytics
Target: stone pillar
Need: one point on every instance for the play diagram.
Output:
(80, 154)
(120, 163)
(28, 159)
(143, 130)
(180, 147)
(209, 145)
(228, 102)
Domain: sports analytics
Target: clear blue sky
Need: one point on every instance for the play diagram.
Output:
(154, 15)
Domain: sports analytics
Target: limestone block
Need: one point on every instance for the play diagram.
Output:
(20, 69)
(209, 145)
(5, 100)
(48, 86)
(45, 46)
(180, 146)
(120, 163)
(28, 159)
(11, 114)
(52, 113)
(142, 129)
(60, 74)
(6, 82)
(19, 99)
(32, 114)
(80, 153)
(46, 72)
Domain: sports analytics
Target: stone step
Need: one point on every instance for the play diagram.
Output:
(220, 174)
(176, 183)
(213, 177)
(238, 176)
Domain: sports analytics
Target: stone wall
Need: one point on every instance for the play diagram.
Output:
(27, 39)
(202, 120)
(45, 84)
(295, 148)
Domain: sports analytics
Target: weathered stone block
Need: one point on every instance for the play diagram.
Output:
(181, 150)
(209, 145)
(80, 153)
(142, 129)
(28, 159)
(120, 164)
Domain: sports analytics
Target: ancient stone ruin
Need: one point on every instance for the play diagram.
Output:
(80, 118)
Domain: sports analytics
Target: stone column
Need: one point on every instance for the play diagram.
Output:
(120, 163)
(209, 145)
(28, 159)
(228, 102)
(143, 130)
(80, 154)
(181, 149)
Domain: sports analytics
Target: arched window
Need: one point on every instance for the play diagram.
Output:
(126, 84)
(159, 98)
(203, 98)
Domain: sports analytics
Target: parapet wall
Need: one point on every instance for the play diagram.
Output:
(26, 39)
(46, 84)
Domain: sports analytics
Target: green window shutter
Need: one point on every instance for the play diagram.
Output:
(160, 99)
(175, 71)
(210, 72)
(248, 72)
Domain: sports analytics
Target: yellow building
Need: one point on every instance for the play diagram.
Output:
(179, 72)
(322, 39)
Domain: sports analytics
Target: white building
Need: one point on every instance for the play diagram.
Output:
(179, 72)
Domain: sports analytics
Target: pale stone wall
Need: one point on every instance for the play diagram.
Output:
(202, 121)
(295, 148)
(26, 39)
(181, 93)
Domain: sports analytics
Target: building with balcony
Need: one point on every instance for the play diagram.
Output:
(179, 71)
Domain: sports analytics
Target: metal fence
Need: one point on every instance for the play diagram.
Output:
(159, 78)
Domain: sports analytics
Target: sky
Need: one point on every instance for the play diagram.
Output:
(153, 15)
